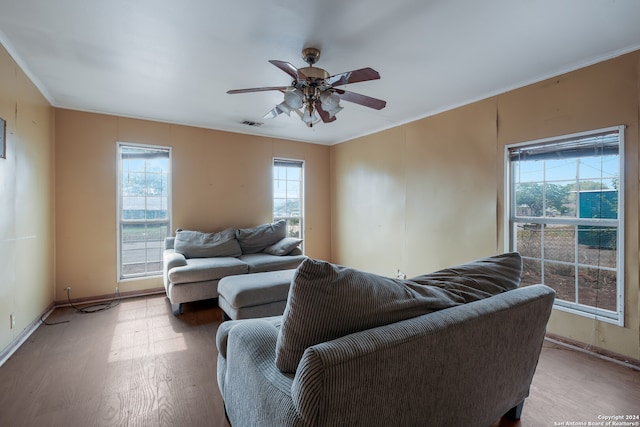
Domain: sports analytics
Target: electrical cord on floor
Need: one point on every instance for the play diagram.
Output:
(94, 308)
(53, 323)
(88, 309)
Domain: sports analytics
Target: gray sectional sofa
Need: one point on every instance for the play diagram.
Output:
(194, 261)
(458, 347)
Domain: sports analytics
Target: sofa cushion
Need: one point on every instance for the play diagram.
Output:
(478, 279)
(254, 240)
(265, 262)
(196, 244)
(327, 301)
(203, 269)
(246, 290)
(283, 246)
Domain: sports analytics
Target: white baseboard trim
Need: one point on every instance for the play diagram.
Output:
(24, 335)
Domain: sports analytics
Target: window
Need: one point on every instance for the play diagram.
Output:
(143, 208)
(288, 193)
(565, 211)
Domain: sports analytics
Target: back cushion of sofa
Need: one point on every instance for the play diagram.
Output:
(327, 301)
(478, 279)
(196, 244)
(255, 239)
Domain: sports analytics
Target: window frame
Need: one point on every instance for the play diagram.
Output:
(301, 217)
(119, 200)
(511, 219)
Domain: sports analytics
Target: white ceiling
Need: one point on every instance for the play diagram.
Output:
(174, 60)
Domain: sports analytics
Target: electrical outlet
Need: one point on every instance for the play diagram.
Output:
(68, 288)
(400, 274)
(12, 318)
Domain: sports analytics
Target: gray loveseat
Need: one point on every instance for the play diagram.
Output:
(194, 262)
(458, 347)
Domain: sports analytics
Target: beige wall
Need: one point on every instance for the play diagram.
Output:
(419, 196)
(27, 202)
(220, 179)
(429, 194)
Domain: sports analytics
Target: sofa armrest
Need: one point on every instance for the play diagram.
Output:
(252, 378)
(172, 259)
(222, 335)
(169, 242)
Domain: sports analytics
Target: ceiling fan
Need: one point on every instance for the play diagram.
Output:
(313, 91)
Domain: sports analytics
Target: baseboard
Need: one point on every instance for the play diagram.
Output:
(107, 298)
(598, 352)
(7, 352)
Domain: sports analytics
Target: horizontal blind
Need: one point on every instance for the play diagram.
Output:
(134, 153)
(606, 143)
(287, 163)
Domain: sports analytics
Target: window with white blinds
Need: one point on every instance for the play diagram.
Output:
(144, 210)
(288, 194)
(565, 216)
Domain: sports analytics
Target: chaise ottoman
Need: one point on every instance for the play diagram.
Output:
(247, 296)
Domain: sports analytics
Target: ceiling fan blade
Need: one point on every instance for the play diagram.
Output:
(354, 76)
(258, 89)
(288, 68)
(365, 100)
(323, 114)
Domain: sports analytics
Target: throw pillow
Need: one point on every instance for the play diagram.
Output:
(254, 240)
(283, 247)
(478, 279)
(327, 301)
(196, 244)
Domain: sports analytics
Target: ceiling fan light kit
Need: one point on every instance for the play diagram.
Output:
(330, 102)
(313, 91)
(294, 98)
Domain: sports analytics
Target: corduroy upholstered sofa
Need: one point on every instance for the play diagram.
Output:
(457, 347)
(194, 261)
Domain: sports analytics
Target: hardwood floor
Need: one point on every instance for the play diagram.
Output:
(573, 387)
(138, 365)
(133, 365)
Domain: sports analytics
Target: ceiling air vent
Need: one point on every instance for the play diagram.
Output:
(252, 123)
